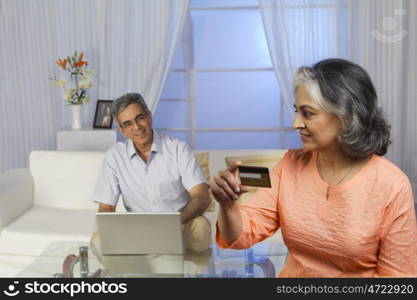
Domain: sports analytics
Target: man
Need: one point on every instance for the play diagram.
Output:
(153, 173)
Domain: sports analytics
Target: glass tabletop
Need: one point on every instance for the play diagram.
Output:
(75, 259)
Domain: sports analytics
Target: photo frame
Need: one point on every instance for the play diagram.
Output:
(103, 117)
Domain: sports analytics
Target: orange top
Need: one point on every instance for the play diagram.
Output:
(365, 227)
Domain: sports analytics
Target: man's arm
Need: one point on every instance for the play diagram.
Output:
(198, 204)
(107, 190)
(106, 208)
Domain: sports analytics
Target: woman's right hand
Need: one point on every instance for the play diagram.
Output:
(226, 187)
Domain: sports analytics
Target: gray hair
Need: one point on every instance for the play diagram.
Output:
(345, 89)
(121, 103)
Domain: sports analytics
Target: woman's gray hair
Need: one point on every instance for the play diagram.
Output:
(345, 89)
(121, 103)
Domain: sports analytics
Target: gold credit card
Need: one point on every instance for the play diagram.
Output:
(254, 176)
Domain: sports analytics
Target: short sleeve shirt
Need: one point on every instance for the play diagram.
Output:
(159, 185)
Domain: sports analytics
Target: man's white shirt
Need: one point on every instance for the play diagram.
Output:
(159, 185)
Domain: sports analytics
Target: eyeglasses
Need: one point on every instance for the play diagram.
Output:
(129, 124)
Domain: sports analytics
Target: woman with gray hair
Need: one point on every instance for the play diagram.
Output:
(344, 210)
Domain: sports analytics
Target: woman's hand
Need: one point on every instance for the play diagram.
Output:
(226, 187)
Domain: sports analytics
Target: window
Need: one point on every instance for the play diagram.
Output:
(222, 92)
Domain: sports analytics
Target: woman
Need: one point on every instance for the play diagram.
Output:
(344, 210)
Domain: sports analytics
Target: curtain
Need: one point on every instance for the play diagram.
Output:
(384, 42)
(301, 33)
(129, 44)
(379, 35)
(138, 46)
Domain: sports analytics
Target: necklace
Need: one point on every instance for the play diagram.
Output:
(321, 173)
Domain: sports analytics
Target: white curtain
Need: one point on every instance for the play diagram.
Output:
(138, 46)
(300, 33)
(380, 35)
(130, 45)
(384, 42)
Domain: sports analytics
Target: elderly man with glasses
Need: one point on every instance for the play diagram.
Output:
(154, 173)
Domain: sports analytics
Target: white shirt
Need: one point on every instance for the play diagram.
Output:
(160, 185)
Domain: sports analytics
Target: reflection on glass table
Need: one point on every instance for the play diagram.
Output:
(74, 259)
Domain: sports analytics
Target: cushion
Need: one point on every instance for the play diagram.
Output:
(203, 161)
(267, 160)
(65, 179)
(12, 265)
(35, 229)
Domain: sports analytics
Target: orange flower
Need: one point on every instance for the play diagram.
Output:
(80, 64)
(80, 61)
(62, 63)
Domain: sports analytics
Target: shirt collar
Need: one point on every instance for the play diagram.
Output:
(156, 145)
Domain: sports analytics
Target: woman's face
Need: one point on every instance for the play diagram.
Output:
(318, 129)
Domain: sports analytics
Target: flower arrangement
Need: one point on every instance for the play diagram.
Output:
(76, 66)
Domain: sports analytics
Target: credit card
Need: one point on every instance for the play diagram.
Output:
(254, 176)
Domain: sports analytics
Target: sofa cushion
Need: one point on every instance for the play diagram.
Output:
(259, 160)
(65, 179)
(35, 229)
(203, 161)
(12, 265)
(16, 194)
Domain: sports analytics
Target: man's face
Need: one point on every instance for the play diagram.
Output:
(136, 125)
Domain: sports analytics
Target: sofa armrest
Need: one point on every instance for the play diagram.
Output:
(16, 194)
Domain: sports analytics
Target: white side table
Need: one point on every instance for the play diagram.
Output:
(86, 139)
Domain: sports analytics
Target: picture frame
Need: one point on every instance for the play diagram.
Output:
(103, 118)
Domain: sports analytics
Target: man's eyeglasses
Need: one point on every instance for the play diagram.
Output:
(129, 124)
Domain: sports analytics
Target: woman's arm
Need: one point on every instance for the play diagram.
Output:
(226, 190)
(398, 248)
(241, 226)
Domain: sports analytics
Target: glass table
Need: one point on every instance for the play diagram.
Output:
(75, 259)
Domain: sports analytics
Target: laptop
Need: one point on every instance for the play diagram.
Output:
(140, 233)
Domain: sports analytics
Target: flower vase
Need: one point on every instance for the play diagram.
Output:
(76, 116)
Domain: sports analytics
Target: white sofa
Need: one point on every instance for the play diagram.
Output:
(50, 201)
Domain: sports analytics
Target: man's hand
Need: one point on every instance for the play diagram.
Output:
(226, 187)
(106, 208)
